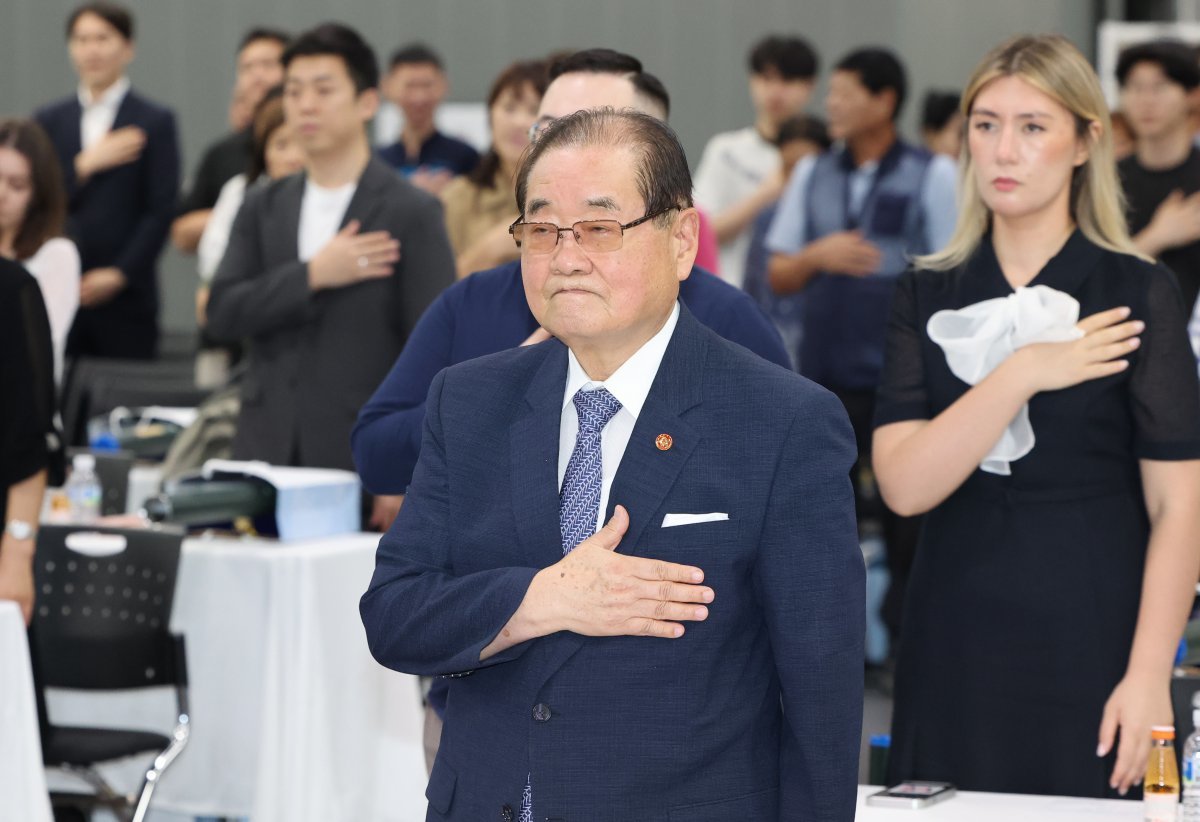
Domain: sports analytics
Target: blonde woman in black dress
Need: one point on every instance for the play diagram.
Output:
(1040, 403)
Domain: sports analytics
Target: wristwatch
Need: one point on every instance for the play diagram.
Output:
(19, 529)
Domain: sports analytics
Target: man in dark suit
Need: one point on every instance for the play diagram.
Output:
(578, 693)
(120, 159)
(259, 68)
(327, 271)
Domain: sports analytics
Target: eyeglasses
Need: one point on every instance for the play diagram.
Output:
(592, 235)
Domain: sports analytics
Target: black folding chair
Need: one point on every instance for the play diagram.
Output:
(101, 622)
(97, 386)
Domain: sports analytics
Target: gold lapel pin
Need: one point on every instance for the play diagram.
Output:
(664, 442)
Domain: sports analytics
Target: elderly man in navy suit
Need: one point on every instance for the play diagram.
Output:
(699, 656)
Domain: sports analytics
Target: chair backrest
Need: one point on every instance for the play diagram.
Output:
(178, 346)
(97, 386)
(104, 596)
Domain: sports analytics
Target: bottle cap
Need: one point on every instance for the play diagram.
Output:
(84, 462)
(1162, 732)
(881, 741)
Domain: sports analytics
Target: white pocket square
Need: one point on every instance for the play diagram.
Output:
(671, 520)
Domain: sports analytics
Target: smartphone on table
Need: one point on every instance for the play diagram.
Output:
(912, 794)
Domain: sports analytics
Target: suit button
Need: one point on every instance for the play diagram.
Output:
(541, 712)
(506, 813)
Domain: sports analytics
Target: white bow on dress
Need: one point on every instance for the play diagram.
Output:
(979, 337)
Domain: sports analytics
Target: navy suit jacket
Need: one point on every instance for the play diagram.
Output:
(485, 313)
(120, 217)
(754, 713)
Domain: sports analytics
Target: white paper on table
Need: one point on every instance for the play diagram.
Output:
(979, 337)
(309, 502)
(183, 417)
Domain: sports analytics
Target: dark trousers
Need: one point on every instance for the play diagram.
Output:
(899, 533)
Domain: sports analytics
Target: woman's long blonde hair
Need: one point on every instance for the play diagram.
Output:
(1054, 66)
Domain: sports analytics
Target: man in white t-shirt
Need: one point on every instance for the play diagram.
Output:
(326, 272)
(741, 172)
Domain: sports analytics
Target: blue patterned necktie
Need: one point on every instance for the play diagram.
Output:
(579, 500)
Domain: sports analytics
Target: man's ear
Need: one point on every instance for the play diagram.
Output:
(368, 103)
(1193, 101)
(888, 98)
(685, 235)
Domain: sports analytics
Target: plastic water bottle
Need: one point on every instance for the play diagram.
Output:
(83, 489)
(1160, 792)
(1190, 812)
(881, 747)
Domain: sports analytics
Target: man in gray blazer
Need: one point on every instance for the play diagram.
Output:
(328, 271)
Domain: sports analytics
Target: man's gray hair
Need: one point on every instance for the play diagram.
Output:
(663, 177)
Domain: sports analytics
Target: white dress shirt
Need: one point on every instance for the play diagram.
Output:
(734, 165)
(630, 384)
(220, 223)
(321, 213)
(100, 112)
(56, 268)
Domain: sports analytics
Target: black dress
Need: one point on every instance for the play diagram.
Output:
(26, 380)
(1023, 598)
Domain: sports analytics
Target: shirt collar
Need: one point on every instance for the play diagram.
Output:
(434, 136)
(887, 162)
(630, 383)
(111, 97)
(322, 193)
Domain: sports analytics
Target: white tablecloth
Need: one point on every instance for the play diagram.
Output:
(1003, 807)
(291, 717)
(23, 796)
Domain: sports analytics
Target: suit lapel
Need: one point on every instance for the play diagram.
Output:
(74, 136)
(647, 472)
(125, 112)
(533, 442)
(367, 198)
(285, 219)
